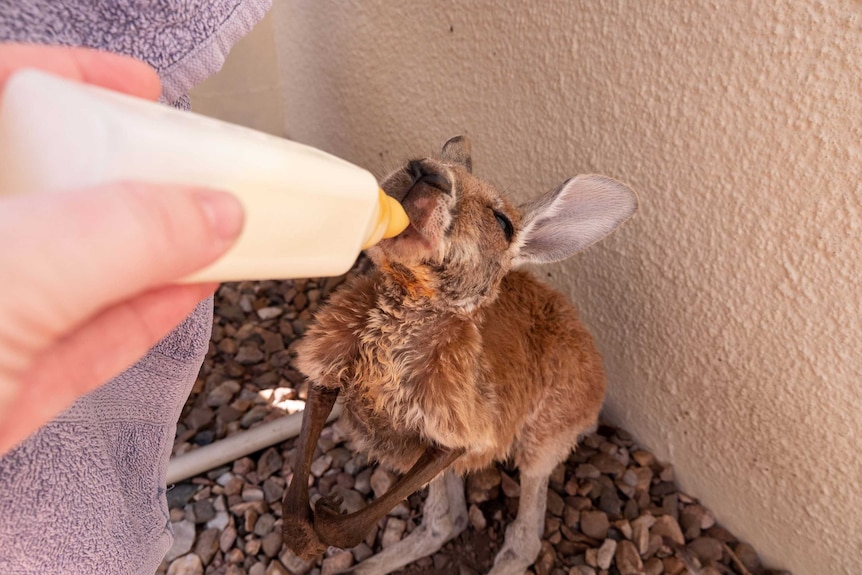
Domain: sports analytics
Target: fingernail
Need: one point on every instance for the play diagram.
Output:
(224, 211)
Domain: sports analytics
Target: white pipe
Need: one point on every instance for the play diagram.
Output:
(236, 446)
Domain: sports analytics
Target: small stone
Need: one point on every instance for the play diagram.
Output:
(610, 503)
(653, 566)
(706, 549)
(362, 483)
(631, 509)
(340, 456)
(644, 475)
(594, 524)
(591, 556)
(558, 475)
(643, 458)
(482, 485)
(321, 465)
(692, 518)
(627, 558)
(199, 417)
(257, 569)
(656, 543)
(250, 493)
(207, 545)
(381, 481)
(234, 487)
(571, 516)
(266, 313)
(337, 563)
(510, 487)
(180, 494)
(667, 526)
(670, 506)
(556, 505)
(276, 568)
(293, 563)
(272, 342)
(605, 554)
(252, 546)
(362, 552)
(607, 464)
(234, 556)
(228, 346)
(579, 503)
(624, 527)
(271, 543)
(640, 532)
(666, 473)
(392, 532)
(582, 570)
(264, 524)
(184, 538)
(273, 489)
(227, 538)
(255, 414)
(673, 565)
(546, 559)
(477, 518)
(249, 354)
(220, 521)
(270, 462)
(587, 471)
(630, 478)
(250, 519)
(186, 565)
(223, 393)
(748, 556)
(663, 488)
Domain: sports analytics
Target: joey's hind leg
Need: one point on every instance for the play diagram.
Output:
(444, 516)
(523, 536)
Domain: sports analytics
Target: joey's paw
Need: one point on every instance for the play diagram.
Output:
(329, 506)
(300, 537)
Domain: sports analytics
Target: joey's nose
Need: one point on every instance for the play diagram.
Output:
(423, 174)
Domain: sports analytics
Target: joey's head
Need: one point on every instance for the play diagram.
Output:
(464, 235)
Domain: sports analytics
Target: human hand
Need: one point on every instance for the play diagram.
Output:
(88, 276)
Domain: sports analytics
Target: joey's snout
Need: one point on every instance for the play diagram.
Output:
(422, 174)
(426, 190)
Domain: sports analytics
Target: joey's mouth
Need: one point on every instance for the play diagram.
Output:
(426, 194)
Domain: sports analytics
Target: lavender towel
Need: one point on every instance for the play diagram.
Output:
(86, 493)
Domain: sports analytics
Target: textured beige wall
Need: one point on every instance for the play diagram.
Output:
(729, 310)
(247, 90)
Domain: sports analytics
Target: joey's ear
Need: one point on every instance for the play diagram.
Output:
(457, 150)
(581, 212)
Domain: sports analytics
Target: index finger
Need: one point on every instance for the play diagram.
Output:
(112, 71)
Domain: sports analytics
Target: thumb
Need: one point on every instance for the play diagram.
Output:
(75, 254)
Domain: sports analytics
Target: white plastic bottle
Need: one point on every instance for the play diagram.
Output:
(308, 213)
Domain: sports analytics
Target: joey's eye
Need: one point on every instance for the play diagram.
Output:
(505, 225)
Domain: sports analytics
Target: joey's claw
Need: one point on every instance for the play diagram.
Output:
(329, 506)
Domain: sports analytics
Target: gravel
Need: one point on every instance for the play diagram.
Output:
(613, 508)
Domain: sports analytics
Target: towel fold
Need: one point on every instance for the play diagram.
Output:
(86, 493)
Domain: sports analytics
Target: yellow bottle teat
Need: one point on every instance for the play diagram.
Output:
(391, 220)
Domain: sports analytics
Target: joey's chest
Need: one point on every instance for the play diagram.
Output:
(388, 354)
